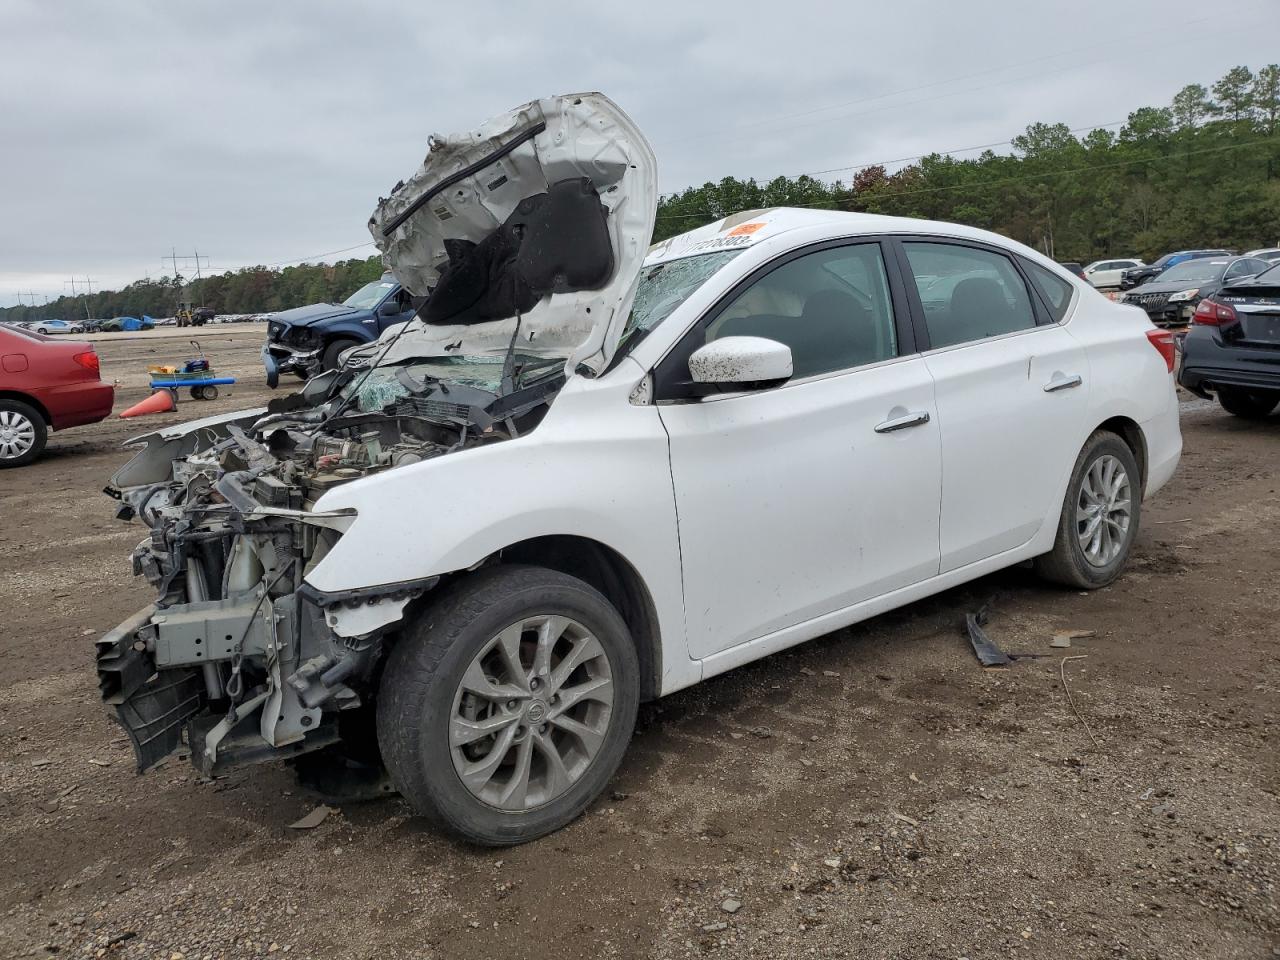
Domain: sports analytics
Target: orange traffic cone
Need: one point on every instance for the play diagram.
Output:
(159, 402)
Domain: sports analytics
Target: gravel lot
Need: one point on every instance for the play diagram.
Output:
(873, 794)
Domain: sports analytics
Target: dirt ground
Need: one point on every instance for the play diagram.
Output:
(872, 794)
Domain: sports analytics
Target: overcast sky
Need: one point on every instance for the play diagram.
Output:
(263, 132)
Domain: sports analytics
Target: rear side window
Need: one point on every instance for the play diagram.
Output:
(968, 293)
(1055, 291)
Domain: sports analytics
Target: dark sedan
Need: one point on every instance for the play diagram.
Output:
(1233, 347)
(1171, 298)
(1136, 276)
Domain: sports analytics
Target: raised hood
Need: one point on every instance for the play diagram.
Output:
(539, 218)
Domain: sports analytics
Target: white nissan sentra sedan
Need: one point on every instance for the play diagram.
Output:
(591, 473)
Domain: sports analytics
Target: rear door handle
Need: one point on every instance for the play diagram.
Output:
(1066, 383)
(901, 423)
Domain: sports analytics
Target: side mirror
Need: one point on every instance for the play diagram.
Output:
(390, 307)
(740, 363)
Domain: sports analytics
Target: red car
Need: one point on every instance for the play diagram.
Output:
(45, 384)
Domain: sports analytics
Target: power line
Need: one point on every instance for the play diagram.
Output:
(317, 256)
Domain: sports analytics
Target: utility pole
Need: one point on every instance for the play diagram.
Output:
(173, 258)
(88, 282)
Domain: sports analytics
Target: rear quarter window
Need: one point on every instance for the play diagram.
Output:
(1053, 290)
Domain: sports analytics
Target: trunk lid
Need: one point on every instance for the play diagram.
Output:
(1258, 307)
(529, 230)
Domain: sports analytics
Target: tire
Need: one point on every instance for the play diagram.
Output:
(23, 434)
(329, 360)
(422, 701)
(1248, 404)
(1069, 563)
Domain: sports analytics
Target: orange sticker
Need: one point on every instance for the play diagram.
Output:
(746, 228)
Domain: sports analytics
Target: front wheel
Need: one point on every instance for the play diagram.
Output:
(1248, 404)
(506, 709)
(1099, 518)
(329, 359)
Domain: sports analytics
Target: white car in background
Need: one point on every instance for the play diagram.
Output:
(1105, 274)
(1270, 254)
(589, 475)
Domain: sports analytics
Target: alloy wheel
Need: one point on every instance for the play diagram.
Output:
(17, 435)
(1104, 510)
(531, 712)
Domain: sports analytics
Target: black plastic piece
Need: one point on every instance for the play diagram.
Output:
(154, 715)
(553, 242)
(244, 744)
(989, 655)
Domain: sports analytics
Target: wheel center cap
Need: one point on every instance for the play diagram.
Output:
(536, 712)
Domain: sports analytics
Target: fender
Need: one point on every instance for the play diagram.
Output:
(596, 467)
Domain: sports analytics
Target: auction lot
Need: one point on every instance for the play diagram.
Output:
(874, 793)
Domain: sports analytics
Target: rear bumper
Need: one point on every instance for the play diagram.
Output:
(78, 403)
(1208, 364)
(1202, 379)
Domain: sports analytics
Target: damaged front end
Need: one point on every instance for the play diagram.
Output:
(524, 237)
(239, 655)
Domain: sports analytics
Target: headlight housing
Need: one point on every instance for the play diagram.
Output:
(1184, 295)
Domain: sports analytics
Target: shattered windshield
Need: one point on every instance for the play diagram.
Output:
(663, 287)
(370, 295)
(385, 385)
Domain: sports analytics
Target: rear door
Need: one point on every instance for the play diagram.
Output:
(1011, 386)
(803, 499)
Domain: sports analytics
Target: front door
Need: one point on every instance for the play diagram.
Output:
(800, 500)
(397, 308)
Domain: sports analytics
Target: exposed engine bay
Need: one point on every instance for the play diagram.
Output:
(238, 651)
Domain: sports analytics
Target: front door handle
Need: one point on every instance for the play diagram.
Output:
(901, 423)
(1066, 383)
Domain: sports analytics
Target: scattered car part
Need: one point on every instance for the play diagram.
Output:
(988, 654)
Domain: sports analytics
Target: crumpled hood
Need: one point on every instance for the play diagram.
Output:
(304, 316)
(541, 217)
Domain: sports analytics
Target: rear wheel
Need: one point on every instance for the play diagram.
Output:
(508, 707)
(1249, 404)
(23, 434)
(1099, 518)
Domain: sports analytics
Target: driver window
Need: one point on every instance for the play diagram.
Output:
(832, 308)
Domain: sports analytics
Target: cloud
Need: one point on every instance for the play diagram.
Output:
(258, 133)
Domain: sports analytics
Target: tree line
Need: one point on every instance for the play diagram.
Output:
(250, 290)
(1203, 171)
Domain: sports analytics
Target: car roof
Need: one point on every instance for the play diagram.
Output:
(745, 229)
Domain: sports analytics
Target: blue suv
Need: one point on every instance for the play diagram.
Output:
(307, 340)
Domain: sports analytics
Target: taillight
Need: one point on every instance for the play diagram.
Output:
(1210, 313)
(1162, 340)
(88, 360)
